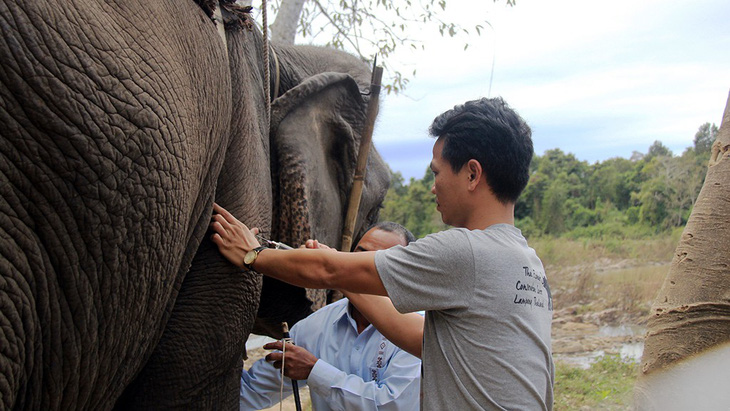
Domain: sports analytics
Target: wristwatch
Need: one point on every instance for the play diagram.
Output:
(250, 257)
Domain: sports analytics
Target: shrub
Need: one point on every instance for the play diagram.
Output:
(607, 385)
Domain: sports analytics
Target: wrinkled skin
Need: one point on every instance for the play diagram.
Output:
(121, 123)
(310, 188)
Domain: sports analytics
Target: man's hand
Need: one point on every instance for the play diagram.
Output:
(231, 236)
(299, 362)
(316, 245)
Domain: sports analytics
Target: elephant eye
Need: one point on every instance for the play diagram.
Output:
(374, 213)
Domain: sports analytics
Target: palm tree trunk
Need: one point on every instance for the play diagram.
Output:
(691, 315)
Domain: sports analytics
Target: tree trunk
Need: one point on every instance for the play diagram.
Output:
(284, 28)
(691, 315)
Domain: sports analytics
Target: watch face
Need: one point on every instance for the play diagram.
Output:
(250, 257)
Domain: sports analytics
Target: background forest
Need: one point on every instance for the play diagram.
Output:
(606, 233)
(647, 194)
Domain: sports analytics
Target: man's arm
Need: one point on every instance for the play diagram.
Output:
(404, 330)
(304, 268)
(397, 387)
(322, 269)
(299, 362)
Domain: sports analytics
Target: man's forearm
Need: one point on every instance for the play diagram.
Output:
(260, 387)
(322, 269)
(404, 330)
(304, 268)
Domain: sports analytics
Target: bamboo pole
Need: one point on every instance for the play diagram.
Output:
(362, 160)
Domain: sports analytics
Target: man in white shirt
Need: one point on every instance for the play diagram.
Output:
(344, 360)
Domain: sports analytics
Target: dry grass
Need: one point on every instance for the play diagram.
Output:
(608, 282)
(633, 289)
(625, 274)
(565, 252)
(578, 288)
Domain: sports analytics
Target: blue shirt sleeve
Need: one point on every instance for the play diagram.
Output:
(260, 386)
(398, 387)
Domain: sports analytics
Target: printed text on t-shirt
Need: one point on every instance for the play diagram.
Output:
(533, 290)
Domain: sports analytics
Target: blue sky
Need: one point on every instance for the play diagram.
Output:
(597, 79)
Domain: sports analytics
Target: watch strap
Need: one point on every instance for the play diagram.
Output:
(256, 250)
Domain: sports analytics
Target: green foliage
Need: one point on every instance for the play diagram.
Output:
(412, 205)
(614, 199)
(528, 227)
(704, 138)
(658, 150)
(606, 385)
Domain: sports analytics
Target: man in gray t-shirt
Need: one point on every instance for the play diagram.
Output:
(486, 334)
(488, 312)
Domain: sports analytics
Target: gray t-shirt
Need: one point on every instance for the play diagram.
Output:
(488, 317)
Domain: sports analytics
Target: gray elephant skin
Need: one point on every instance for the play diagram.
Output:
(121, 122)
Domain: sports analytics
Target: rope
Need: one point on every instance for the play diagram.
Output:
(281, 386)
(267, 73)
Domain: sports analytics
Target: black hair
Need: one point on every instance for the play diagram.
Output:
(491, 132)
(392, 227)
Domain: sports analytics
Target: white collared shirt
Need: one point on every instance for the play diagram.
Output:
(354, 372)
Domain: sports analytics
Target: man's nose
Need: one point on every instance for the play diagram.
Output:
(433, 188)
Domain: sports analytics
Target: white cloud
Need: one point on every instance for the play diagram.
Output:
(596, 79)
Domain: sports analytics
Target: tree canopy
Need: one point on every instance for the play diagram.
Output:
(617, 197)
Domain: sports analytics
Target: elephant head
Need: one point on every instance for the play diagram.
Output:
(121, 123)
(315, 139)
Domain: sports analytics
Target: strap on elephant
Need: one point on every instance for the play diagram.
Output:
(267, 72)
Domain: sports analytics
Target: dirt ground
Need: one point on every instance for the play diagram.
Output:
(578, 338)
(596, 326)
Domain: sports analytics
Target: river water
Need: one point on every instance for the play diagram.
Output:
(631, 351)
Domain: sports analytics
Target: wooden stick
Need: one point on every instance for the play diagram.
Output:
(362, 160)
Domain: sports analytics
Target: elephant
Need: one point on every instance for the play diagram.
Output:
(121, 123)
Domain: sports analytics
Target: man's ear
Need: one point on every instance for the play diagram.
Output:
(474, 170)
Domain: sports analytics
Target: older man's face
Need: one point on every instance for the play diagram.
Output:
(376, 239)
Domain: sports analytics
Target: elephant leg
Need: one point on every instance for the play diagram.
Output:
(20, 333)
(272, 312)
(197, 363)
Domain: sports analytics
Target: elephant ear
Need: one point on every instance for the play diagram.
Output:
(315, 132)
